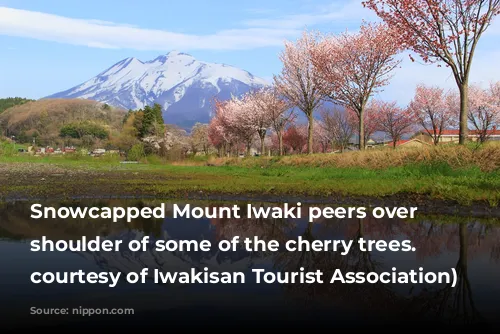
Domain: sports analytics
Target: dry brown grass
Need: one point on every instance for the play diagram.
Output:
(47, 115)
(486, 157)
(188, 163)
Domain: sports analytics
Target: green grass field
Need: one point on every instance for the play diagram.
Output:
(443, 179)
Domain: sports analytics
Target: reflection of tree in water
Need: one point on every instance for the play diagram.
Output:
(429, 236)
(433, 236)
(452, 304)
(127, 261)
(368, 295)
(495, 253)
(309, 260)
(430, 239)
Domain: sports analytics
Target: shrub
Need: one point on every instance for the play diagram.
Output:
(136, 153)
(80, 129)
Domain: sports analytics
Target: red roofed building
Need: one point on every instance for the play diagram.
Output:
(448, 136)
(452, 136)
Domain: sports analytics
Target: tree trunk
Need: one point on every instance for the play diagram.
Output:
(310, 133)
(280, 141)
(249, 146)
(462, 232)
(262, 145)
(464, 112)
(394, 141)
(361, 228)
(308, 233)
(361, 133)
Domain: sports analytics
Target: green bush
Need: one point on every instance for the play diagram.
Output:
(81, 129)
(6, 148)
(136, 153)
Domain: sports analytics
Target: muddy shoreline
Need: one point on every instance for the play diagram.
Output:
(37, 182)
(425, 205)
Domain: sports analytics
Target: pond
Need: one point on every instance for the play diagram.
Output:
(469, 245)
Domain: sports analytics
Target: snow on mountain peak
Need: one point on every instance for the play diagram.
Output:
(175, 53)
(176, 80)
(172, 56)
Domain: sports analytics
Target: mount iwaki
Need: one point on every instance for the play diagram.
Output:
(181, 84)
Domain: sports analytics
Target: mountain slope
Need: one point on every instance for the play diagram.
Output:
(44, 118)
(183, 86)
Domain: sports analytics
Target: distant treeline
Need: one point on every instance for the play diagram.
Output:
(12, 101)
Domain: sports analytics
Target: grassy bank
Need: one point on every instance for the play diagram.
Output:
(460, 174)
(486, 158)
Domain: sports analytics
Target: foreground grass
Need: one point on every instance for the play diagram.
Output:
(464, 175)
(485, 157)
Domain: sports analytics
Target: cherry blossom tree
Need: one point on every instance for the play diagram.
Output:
(231, 125)
(294, 139)
(296, 81)
(280, 122)
(243, 119)
(338, 127)
(432, 110)
(254, 113)
(445, 31)
(218, 130)
(275, 145)
(274, 111)
(199, 139)
(320, 141)
(393, 120)
(215, 137)
(239, 120)
(369, 120)
(351, 67)
(484, 110)
(321, 137)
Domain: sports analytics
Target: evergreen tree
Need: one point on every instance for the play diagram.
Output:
(152, 123)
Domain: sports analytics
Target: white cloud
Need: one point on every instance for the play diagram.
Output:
(338, 14)
(104, 34)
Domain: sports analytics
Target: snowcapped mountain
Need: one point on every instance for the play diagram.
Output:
(183, 85)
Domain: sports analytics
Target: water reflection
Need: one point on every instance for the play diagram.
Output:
(453, 303)
(470, 245)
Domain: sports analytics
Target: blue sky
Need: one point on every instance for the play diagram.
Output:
(52, 45)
